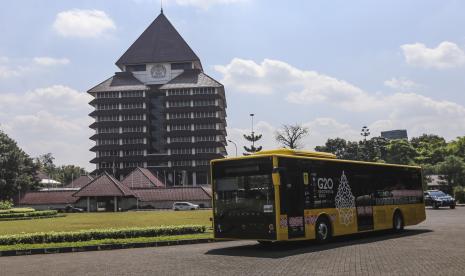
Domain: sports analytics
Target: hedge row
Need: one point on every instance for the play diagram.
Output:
(29, 214)
(17, 210)
(99, 234)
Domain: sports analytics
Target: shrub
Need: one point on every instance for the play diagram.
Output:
(459, 194)
(6, 204)
(17, 210)
(28, 214)
(99, 234)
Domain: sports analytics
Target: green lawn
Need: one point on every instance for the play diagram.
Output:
(73, 222)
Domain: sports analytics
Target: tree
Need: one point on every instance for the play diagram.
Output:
(431, 148)
(457, 147)
(17, 169)
(341, 148)
(67, 173)
(373, 150)
(291, 135)
(453, 168)
(337, 146)
(400, 151)
(46, 165)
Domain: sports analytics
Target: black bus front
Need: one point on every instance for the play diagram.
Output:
(244, 199)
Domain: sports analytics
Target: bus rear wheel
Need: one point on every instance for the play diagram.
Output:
(398, 222)
(322, 230)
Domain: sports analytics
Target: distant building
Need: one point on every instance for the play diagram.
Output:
(162, 112)
(394, 134)
(141, 189)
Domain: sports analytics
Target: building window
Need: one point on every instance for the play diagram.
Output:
(182, 163)
(181, 65)
(207, 138)
(202, 162)
(181, 151)
(133, 117)
(178, 92)
(205, 150)
(132, 94)
(205, 114)
(205, 126)
(132, 106)
(107, 106)
(108, 118)
(106, 165)
(133, 129)
(101, 95)
(108, 153)
(179, 115)
(136, 68)
(133, 152)
(184, 139)
(132, 164)
(108, 130)
(205, 103)
(204, 91)
(108, 142)
(179, 103)
(180, 127)
(132, 141)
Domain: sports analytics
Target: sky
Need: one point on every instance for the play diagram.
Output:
(332, 66)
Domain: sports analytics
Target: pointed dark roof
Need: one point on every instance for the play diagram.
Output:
(142, 178)
(121, 81)
(160, 42)
(191, 78)
(104, 185)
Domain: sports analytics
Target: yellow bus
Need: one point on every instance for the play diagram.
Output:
(281, 195)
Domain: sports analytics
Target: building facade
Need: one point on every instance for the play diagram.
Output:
(395, 134)
(161, 112)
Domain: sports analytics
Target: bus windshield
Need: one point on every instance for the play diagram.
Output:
(249, 193)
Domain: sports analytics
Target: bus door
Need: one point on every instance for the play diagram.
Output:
(292, 201)
(364, 204)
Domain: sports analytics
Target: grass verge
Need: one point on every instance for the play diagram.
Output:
(106, 241)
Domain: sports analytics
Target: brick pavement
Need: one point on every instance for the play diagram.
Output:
(435, 247)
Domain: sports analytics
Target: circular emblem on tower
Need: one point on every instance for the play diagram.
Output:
(158, 71)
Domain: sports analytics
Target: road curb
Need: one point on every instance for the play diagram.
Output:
(102, 247)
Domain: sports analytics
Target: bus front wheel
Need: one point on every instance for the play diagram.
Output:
(398, 222)
(322, 230)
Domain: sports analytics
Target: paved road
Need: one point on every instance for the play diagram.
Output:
(435, 247)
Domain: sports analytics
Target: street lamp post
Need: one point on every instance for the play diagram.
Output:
(235, 145)
(253, 142)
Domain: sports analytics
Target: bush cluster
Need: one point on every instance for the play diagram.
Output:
(28, 214)
(17, 210)
(6, 204)
(459, 194)
(99, 234)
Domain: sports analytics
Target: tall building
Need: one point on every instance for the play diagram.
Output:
(395, 134)
(161, 112)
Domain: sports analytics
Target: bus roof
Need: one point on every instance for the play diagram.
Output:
(307, 155)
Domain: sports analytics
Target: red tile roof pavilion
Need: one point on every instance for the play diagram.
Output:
(104, 185)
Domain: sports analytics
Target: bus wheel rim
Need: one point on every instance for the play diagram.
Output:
(323, 231)
(398, 222)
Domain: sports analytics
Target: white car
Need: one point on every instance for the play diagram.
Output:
(179, 206)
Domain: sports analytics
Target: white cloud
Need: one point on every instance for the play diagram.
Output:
(49, 61)
(418, 114)
(83, 23)
(51, 119)
(402, 84)
(205, 4)
(8, 72)
(445, 55)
